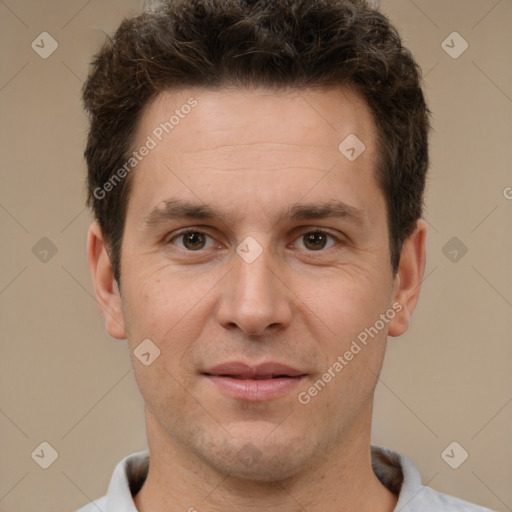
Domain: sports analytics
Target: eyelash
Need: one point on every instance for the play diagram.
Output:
(311, 253)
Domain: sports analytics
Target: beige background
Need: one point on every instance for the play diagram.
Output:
(64, 381)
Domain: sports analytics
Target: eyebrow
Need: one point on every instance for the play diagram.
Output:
(177, 209)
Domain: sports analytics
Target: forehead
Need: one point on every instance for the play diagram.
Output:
(233, 117)
(273, 144)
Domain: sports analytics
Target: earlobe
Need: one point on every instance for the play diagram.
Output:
(408, 280)
(105, 286)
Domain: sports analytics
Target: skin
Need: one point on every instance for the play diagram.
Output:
(253, 154)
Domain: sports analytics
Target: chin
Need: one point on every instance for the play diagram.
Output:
(257, 459)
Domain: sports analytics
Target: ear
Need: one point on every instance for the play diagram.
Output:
(105, 286)
(406, 288)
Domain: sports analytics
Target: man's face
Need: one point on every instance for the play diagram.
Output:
(253, 287)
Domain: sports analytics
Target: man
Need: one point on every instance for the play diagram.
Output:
(256, 169)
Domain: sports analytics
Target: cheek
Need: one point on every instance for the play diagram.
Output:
(346, 300)
(159, 300)
(171, 317)
(349, 304)
(172, 311)
(346, 382)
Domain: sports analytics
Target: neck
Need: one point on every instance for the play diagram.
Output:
(341, 480)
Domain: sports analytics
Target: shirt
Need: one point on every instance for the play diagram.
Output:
(395, 471)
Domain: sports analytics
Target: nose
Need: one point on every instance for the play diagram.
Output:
(254, 298)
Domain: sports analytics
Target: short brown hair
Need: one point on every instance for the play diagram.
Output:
(258, 43)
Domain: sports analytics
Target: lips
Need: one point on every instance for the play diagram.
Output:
(257, 383)
(238, 370)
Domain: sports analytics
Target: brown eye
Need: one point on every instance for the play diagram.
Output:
(315, 241)
(194, 241)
